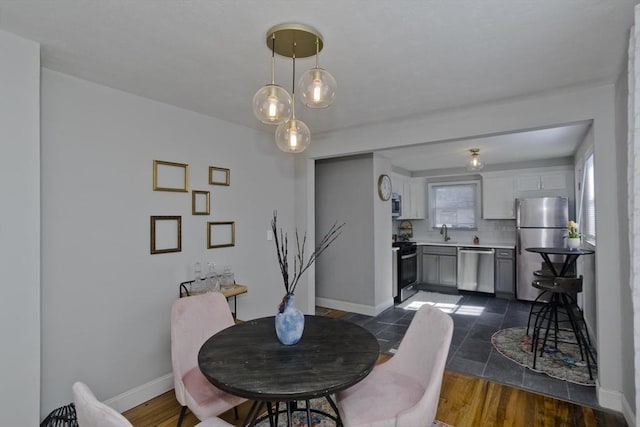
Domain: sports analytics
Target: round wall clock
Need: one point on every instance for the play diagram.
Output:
(384, 187)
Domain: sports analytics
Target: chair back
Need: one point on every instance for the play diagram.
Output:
(194, 319)
(93, 413)
(422, 355)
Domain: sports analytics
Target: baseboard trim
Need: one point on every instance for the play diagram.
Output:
(347, 306)
(138, 395)
(610, 399)
(628, 412)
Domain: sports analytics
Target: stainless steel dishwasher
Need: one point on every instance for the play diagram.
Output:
(476, 269)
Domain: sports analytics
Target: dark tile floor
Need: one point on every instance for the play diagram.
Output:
(471, 350)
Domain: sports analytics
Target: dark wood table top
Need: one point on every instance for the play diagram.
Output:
(247, 359)
(561, 251)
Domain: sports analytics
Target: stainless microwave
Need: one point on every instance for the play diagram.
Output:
(396, 205)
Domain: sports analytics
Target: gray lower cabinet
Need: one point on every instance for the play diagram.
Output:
(505, 273)
(439, 266)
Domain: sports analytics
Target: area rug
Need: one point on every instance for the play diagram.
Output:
(564, 363)
(299, 418)
(445, 302)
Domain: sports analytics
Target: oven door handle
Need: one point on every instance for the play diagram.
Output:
(407, 256)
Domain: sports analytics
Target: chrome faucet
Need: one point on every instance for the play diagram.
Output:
(443, 230)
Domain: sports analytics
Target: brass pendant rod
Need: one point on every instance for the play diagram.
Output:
(293, 84)
(273, 59)
(317, 50)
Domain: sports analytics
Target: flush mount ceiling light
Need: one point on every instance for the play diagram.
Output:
(474, 163)
(273, 105)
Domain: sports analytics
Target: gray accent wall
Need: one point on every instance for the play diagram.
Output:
(345, 271)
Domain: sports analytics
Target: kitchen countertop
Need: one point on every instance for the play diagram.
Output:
(497, 245)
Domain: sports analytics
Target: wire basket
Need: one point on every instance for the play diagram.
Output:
(64, 416)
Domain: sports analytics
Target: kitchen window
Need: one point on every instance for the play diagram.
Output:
(454, 204)
(587, 210)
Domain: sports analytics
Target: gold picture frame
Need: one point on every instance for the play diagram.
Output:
(170, 176)
(166, 234)
(200, 202)
(219, 176)
(221, 234)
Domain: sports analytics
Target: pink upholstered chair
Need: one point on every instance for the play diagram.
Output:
(93, 413)
(193, 320)
(405, 390)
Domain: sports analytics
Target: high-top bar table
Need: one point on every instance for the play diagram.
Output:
(247, 360)
(570, 257)
(560, 298)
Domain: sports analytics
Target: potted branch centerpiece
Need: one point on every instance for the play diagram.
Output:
(289, 321)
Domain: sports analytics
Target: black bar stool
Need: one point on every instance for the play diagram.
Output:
(540, 278)
(561, 308)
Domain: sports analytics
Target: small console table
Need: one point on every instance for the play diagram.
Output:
(234, 291)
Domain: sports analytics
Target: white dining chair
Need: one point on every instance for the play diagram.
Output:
(93, 413)
(193, 320)
(405, 390)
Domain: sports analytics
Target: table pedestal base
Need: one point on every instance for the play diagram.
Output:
(274, 411)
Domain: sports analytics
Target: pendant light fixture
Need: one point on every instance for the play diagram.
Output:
(317, 86)
(475, 164)
(272, 103)
(293, 136)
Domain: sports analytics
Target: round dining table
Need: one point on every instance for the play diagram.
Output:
(247, 360)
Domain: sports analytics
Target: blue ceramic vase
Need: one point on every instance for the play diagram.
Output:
(289, 323)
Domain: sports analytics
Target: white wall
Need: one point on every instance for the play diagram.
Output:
(106, 300)
(20, 231)
(555, 108)
(586, 264)
(382, 253)
(626, 297)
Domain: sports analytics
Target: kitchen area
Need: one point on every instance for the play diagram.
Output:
(468, 235)
(441, 225)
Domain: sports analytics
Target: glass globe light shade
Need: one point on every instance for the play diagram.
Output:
(317, 88)
(475, 164)
(272, 104)
(293, 136)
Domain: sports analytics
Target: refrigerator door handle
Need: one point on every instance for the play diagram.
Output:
(518, 245)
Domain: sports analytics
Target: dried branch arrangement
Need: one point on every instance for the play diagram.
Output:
(299, 263)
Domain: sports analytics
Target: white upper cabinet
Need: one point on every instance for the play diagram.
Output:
(500, 189)
(543, 181)
(412, 192)
(415, 189)
(498, 196)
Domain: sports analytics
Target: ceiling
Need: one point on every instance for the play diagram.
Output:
(392, 59)
(506, 150)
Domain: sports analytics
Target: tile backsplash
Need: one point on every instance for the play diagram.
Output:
(493, 231)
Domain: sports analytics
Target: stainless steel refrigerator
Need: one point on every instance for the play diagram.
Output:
(540, 222)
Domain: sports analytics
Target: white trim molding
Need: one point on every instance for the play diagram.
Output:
(138, 395)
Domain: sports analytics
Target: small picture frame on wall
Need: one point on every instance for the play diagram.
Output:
(219, 176)
(221, 234)
(170, 176)
(200, 202)
(166, 234)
